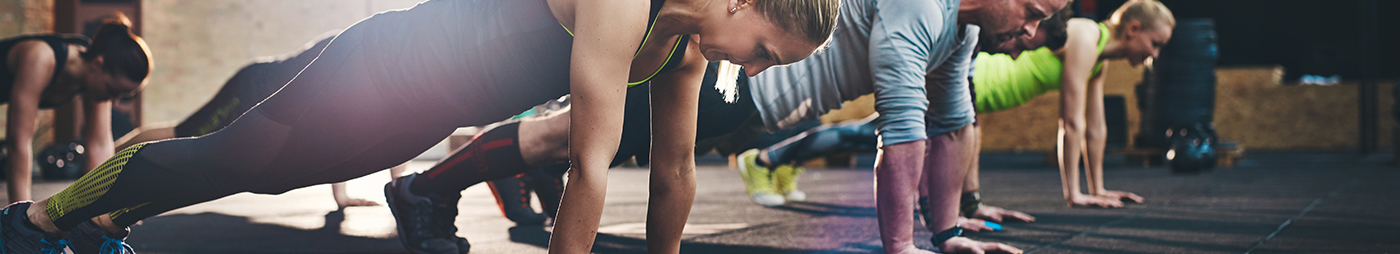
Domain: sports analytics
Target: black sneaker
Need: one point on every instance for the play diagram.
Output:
(425, 224)
(88, 238)
(548, 182)
(444, 214)
(514, 198)
(17, 235)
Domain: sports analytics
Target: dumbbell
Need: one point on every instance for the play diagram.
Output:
(61, 161)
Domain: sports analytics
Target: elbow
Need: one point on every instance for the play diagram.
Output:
(1073, 127)
(585, 174)
(673, 167)
(1096, 133)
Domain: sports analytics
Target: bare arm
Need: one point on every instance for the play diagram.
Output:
(675, 97)
(97, 132)
(606, 34)
(1080, 55)
(34, 66)
(1095, 135)
(897, 170)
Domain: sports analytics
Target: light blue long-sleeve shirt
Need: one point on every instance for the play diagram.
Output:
(907, 52)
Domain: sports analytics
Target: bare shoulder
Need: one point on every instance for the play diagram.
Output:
(29, 53)
(1082, 28)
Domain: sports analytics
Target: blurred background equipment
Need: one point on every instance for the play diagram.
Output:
(62, 161)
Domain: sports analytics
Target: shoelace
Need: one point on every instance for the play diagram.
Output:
(53, 248)
(423, 220)
(111, 245)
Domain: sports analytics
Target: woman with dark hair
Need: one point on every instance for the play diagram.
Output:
(45, 71)
(395, 84)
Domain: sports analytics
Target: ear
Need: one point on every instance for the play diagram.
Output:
(1134, 27)
(738, 4)
(98, 61)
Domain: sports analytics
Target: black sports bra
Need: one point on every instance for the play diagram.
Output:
(59, 43)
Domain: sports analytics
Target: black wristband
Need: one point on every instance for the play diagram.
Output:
(969, 203)
(941, 237)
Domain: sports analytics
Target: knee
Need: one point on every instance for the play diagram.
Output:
(554, 133)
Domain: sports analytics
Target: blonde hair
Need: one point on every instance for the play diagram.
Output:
(1145, 12)
(813, 19)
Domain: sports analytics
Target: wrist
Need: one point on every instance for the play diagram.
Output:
(1073, 195)
(969, 203)
(942, 237)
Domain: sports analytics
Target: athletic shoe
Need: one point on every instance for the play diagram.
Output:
(548, 183)
(17, 235)
(785, 177)
(758, 180)
(425, 223)
(88, 238)
(514, 199)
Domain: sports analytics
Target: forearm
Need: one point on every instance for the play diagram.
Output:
(896, 177)
(97, 153)
(668, 207)
(579, 210)
(97, 132)
(1070, 148)
(20, 152)
(1093, 160)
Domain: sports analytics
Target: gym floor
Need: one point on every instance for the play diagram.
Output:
(1268, 203)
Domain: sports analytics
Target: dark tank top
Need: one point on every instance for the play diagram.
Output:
(672, 60)
(59, 43)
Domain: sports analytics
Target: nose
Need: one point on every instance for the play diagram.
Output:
(1030, 28)
(1015, 53)
(753, 69)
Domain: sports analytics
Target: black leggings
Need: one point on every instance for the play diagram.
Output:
(856, 135)
(378, 95)
(249, 86)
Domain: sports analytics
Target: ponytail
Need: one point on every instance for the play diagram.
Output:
(124, 53)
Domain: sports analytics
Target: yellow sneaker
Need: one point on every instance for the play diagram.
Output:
(785, 177)
(757, 180)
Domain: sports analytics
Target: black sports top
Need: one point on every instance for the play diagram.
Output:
(59, 43)
(672, 60)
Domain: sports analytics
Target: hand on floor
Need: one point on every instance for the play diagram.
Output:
(965, 245)
(997, 214)
(1093, 201)
(974, 225)
(355, 202)
(1121, 196)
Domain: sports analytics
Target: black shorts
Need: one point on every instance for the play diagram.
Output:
(716, 117)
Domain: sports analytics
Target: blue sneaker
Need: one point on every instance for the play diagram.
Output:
(425, 224)
(88, 238)
(17, 235)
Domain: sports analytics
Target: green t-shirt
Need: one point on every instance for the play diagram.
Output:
(1003, 83)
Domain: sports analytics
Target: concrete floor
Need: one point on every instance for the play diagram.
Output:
(1269, 203)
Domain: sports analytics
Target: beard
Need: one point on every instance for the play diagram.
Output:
(1000, 39)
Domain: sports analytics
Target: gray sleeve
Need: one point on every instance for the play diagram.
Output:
(901, 37)
(949, 96)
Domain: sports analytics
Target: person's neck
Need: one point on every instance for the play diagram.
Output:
(678, 17)
(971, 11)
(1113, 49)
(75, 68)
